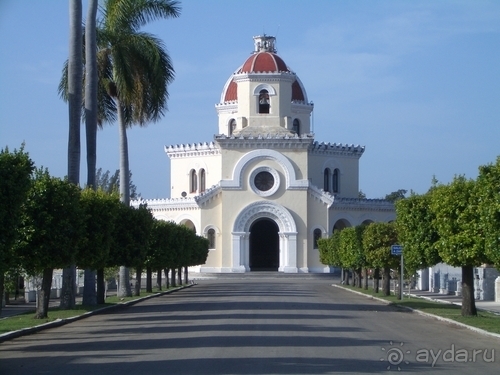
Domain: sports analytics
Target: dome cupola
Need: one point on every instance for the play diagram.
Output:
(264, 96)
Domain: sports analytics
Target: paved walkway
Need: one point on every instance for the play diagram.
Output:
(483, 305)
(21, 307)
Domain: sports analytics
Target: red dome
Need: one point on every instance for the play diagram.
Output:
(264, 62)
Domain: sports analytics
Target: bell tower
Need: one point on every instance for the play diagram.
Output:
(264, 97)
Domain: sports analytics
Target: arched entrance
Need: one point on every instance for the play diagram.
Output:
(284, 230)
(264, 245)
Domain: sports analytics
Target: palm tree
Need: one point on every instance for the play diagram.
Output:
(140, 73)
(134, 72)
(75, 72)
(90, 103)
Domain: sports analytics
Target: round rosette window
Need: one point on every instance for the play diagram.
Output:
(264, 181)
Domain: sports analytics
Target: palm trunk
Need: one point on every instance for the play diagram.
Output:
(75, 75)
(42, 302)
(125, 289)
(468, 301)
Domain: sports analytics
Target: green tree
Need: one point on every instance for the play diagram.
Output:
(417, 232)
(99, 211)
(50, 232)
(396, 195)
(15, 181)
(352, 252)
(488, 193)
(461, 238)
(130, 242)
(111, 183)
(377, 241)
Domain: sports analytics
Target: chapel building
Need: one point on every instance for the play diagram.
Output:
(263, 191)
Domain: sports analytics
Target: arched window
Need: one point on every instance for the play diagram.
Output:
(335, 180)
(211, 238)
(326, 182)
(317, 236)
(202, 180)
(193, 183)
(296, 126)
(232, 126)
(264, 101)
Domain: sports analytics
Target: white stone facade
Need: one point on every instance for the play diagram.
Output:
(263, 190)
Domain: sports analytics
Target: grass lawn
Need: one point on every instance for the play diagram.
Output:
(484, 320)
(17, 322)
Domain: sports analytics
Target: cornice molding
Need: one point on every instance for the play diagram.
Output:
(265, 141)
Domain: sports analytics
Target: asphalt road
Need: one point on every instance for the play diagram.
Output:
(255, 325)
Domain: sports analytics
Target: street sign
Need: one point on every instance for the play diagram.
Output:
(396, 249)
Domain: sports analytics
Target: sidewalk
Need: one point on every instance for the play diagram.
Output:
(491, 306)
(20, 306)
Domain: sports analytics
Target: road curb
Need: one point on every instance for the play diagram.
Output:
(60, 322)
(440, 318)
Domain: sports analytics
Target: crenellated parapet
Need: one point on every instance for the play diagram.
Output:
(337, 149)
(193, 150)
(360, 204)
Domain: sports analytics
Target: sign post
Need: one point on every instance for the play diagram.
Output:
(398, 250)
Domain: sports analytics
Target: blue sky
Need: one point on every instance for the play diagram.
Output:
(415, 82)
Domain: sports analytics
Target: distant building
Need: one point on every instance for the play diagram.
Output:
(263, 191)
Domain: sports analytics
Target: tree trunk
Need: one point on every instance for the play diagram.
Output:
(359, 278)
(186, 275)
(149, 281)
(91, 92)
(172, 273)
(386, 282)
(346, 276)
(101, 287)
(468, 301)
(376, 281)
(138, 279)
(167, 281)
(124, 289)
(365, 278)
(42, 302)
(179, 272)
(89, 292)
(158, 279)
(68, 288)
(75, 75)
(2, 287)
(124, 163)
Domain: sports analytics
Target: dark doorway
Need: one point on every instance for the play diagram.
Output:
(264, 245)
